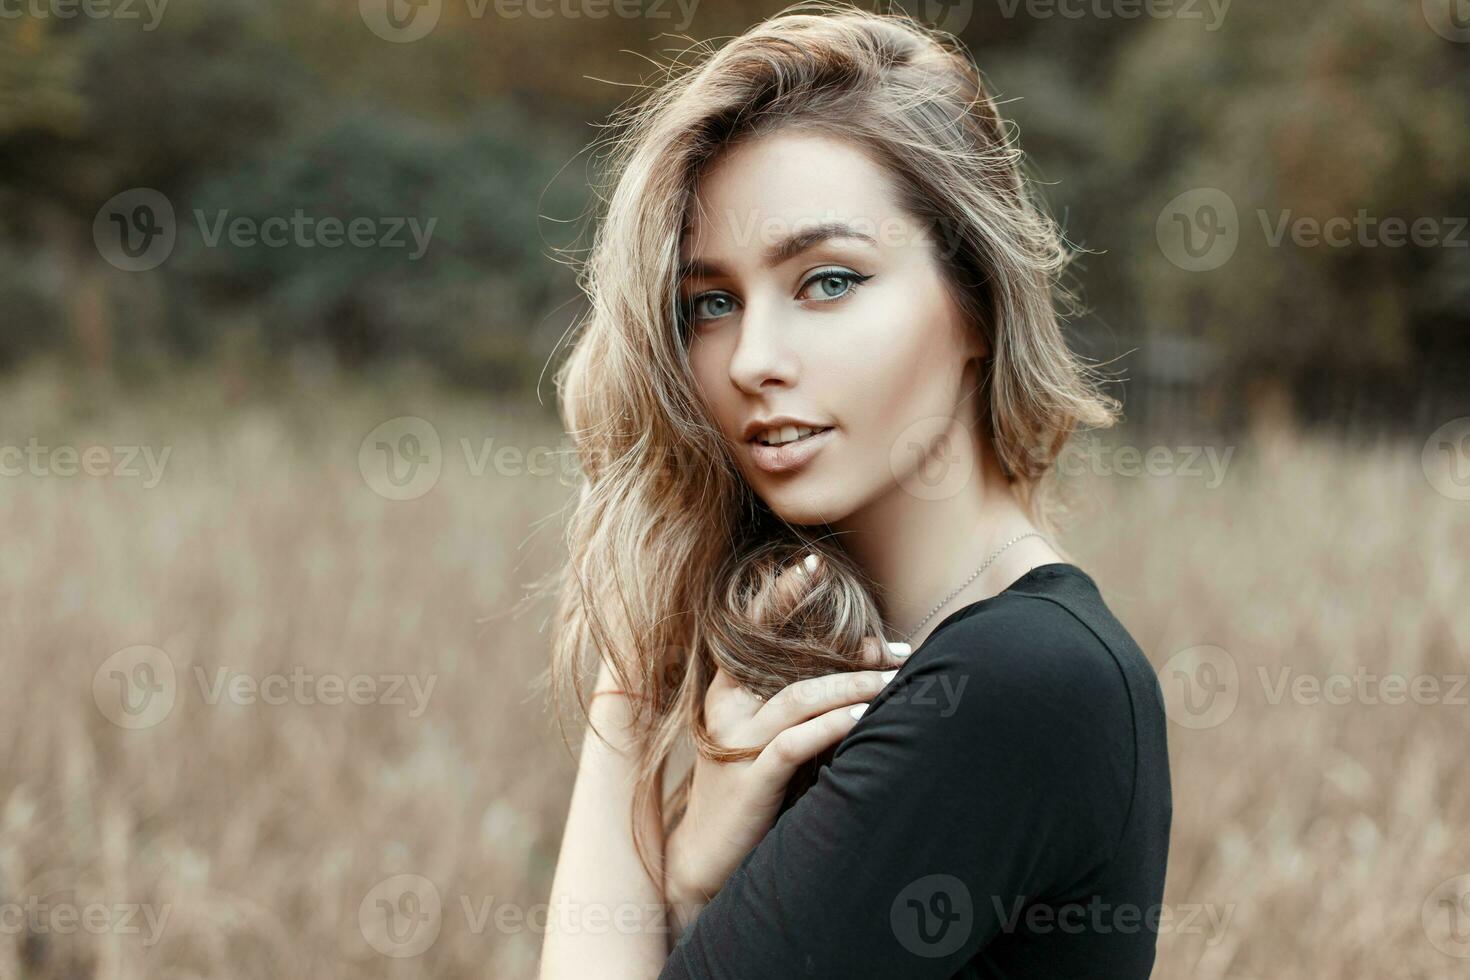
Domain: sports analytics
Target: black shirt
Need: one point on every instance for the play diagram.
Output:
(1002, 809)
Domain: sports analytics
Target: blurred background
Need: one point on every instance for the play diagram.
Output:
(282, 285)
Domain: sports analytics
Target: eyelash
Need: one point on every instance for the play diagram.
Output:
(853, 280)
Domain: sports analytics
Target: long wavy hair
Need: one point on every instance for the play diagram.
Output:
(672, 557)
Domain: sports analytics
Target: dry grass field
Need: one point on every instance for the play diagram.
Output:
(246, 692)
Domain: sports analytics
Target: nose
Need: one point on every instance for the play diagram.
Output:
(763, 355)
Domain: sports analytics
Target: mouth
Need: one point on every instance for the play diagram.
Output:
(787, 456)
(804, 432)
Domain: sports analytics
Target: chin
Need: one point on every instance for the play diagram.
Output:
(805, 502)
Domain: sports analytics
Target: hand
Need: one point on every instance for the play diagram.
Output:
(732, 805)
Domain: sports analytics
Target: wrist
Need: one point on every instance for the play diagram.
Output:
(678, 887)
(683, 907)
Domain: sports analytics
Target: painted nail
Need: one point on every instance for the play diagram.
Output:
(888, 675)
(811, 562)
(857, 710)
(900, 649)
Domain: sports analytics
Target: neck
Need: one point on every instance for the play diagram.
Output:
(917, 550)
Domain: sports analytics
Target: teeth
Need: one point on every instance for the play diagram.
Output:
(785, 434)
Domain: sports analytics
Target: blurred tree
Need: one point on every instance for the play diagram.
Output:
(41, 104)
(1300, 111)
(255, 109)
(450, 264)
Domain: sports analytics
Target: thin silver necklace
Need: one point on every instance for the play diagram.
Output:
(994, 555)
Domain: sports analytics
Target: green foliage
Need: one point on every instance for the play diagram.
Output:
(448, 250)
(252, 111)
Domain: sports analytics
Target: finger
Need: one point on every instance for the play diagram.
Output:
(729, 705)
(800, 743)
(879, 653)
(797, 579)
(791, 584)
(798, 702)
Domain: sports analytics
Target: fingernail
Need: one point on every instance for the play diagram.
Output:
(900, 649)
(811, 562)
(888, 675)
(857, 710)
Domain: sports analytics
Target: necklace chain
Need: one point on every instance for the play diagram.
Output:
(943, 602)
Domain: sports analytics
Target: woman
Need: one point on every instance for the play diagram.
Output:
(818, 400)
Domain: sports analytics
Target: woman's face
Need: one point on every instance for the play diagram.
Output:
(809, 295)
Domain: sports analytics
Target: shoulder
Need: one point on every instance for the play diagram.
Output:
(1019, 692)
(1018, 709)
(1029, 649)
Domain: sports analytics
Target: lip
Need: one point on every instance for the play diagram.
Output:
(791, 456)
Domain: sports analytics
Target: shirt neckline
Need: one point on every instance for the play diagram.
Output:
(1052, 566)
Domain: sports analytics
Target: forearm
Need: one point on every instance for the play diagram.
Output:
(607, 917)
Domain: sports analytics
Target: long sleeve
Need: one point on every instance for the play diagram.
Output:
(995, 773)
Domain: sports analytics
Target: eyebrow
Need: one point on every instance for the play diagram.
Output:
(787, 248)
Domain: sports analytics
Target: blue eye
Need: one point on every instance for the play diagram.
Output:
(713, 305)
(719, 304)
(833, 284)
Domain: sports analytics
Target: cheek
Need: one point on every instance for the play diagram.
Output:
(896, 366)
(709, 365)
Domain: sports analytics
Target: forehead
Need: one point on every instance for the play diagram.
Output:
(761, 190)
